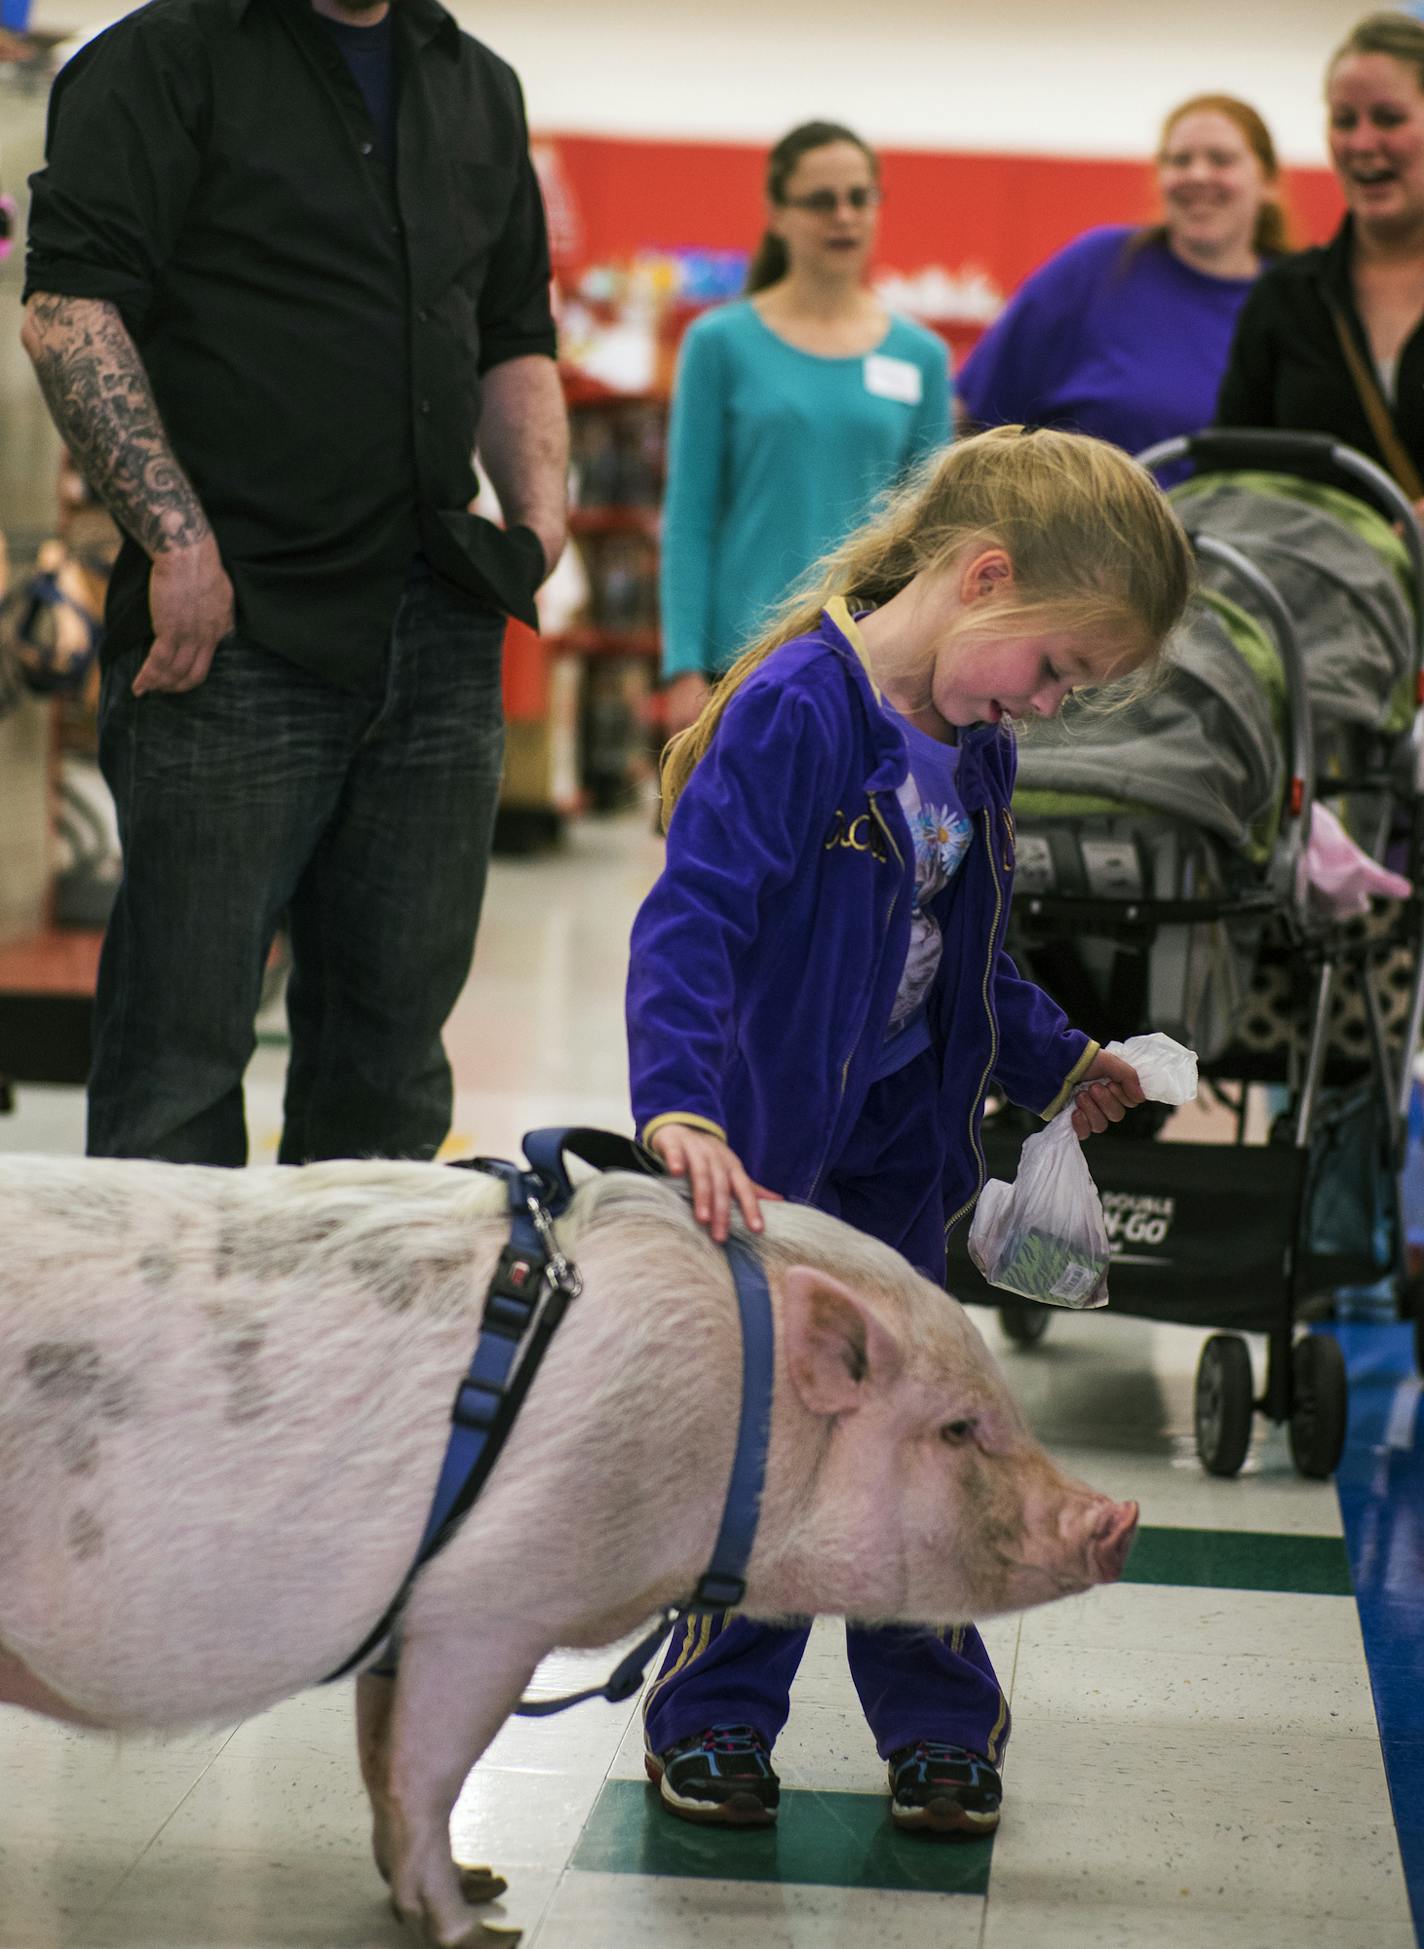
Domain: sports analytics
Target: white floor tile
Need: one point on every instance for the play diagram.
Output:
(1133, 1688)
(1053, 1921)
(595, 1911)
(1221, 1624)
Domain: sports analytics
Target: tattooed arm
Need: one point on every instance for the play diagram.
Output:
(99, 396)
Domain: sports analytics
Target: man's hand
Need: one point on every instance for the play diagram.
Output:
(1113, 1090)
(683, 699)
(190, 601)
(715, 1173)
(524, 443)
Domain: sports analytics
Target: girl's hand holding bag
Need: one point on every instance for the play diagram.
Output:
(1043, 1236)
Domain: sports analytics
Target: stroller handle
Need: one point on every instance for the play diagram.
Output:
(1246, 446)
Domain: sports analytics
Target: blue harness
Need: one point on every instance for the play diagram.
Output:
(532, 1287)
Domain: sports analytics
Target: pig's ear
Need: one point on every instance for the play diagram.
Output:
(836, 1349)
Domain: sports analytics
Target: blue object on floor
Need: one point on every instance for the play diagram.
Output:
(1380, 1484)
(1411, 1178)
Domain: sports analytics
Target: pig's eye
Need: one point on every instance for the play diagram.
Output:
(957, 1431)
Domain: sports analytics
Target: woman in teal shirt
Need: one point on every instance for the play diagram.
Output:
(793, 408)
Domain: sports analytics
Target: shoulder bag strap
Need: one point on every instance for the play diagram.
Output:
(1376, 411)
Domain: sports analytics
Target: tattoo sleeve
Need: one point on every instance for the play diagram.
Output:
(99, 397)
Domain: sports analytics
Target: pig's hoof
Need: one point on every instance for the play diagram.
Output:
(480, 1884)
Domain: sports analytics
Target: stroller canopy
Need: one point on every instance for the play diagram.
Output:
(1203, 745)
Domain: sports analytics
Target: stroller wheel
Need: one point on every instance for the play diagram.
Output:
(1023, 1321)
(1224, 1403)
(1318, 1409)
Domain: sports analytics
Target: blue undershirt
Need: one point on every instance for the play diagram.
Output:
(369, 52)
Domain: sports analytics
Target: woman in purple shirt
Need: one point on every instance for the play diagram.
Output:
(1125, 333)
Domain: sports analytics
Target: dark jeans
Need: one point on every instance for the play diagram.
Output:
(365, 818)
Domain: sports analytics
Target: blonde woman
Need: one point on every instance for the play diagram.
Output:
(818, 995)
(1125, 333)
(1332, 339)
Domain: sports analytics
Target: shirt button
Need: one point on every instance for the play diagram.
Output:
(425, 405)
(424, 314)
(366, 148)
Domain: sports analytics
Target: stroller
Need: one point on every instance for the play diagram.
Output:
(1161, 885)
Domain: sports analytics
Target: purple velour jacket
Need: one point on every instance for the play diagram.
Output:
(765, 960)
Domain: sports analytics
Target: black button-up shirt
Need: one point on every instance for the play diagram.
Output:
(1287, 369)
(314, 324)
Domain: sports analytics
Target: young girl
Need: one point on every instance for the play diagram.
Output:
(819, 996)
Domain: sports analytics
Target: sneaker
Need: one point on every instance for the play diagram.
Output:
(940, 1789)
(721, 1775)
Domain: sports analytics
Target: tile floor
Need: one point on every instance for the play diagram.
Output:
(1197, 1760)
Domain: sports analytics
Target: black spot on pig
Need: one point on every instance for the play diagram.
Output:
(102, 1210)
(72, 1373)
(278, 1248)
(76, 1388)
(86, 1535)
(384, 1276)
(437, 1285)
(117, 1398)
(237, 1348)
(157, 1267)
(64, 1370)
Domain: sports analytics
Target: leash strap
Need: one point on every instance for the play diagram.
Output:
(532, 1286)
(723, 1584)
(530, 1292)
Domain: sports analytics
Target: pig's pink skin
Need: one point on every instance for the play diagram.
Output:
(224, 1397)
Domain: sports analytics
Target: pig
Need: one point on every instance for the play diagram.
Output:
(224, 1401)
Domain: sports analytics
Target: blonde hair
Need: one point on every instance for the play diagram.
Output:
(1397, 35)
(1271, 235)
(1093, 543)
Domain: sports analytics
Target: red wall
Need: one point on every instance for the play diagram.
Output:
(1004, 213)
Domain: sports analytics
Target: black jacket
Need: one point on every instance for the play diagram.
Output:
(314, 324)
(1287, 369)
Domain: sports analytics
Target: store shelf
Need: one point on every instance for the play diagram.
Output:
(582, 389)
(614, 521)
(47, 1003)
(605, 642)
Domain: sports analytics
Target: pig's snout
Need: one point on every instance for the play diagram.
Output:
(1112, 1538)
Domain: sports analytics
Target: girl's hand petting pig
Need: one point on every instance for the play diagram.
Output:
(1112, 1089)
(715, 1173)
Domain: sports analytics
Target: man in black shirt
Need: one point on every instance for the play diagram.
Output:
(287, 262)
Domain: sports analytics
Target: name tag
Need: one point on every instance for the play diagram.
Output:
(897, 379)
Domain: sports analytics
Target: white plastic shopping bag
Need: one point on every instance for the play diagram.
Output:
(1043, 1236)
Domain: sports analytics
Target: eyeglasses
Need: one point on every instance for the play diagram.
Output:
(825, 202)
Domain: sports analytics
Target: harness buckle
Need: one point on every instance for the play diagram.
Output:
(718, 1592)
(514, 1292)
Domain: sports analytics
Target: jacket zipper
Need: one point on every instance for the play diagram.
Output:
(974, 1144)
(889, 916)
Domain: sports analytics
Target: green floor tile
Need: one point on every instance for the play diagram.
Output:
(831, 1840)
(1224, 1559)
